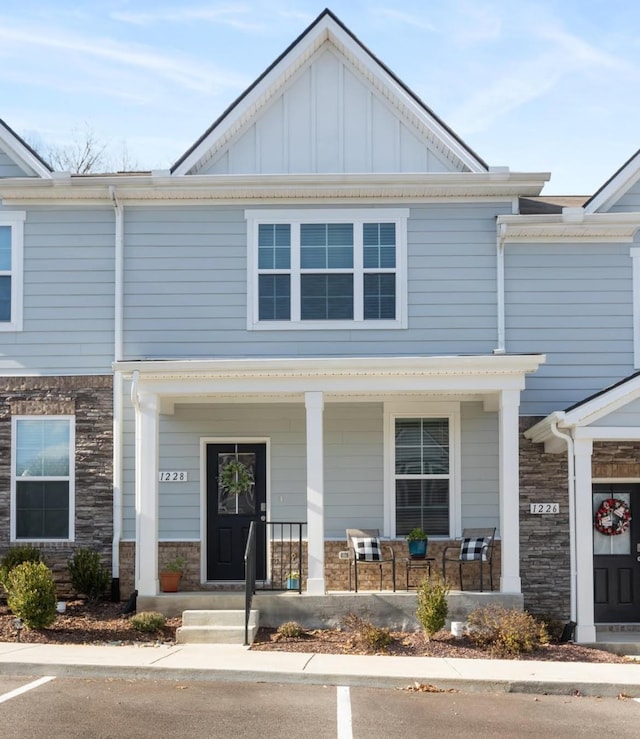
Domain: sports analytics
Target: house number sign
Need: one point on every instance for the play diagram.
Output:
(172, 477)
(544, 507)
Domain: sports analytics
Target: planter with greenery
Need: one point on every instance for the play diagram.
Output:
(171, 574)
(417, 540)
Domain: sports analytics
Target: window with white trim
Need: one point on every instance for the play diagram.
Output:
(324, 269)
(422, 468)
(11, 239)
(422, 475)
(42, 480)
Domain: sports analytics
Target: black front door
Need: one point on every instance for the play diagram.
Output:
(616, 569)
(236, 496)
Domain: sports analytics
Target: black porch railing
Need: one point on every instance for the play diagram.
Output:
(279, 542)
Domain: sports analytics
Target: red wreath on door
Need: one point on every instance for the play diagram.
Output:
(613, 517)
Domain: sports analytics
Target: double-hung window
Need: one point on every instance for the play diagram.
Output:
(42, 494)
(321, 269)
(11, 237)
(423, 465)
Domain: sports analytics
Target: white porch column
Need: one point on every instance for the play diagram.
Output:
(509, 491)
(585, 630)
(146, 578)
(314, 404)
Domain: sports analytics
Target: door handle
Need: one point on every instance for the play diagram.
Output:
(264, 518)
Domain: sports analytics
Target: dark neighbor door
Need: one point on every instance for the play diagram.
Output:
(229, 513)
(616, 569)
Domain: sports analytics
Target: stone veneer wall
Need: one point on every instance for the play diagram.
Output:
(90, 399)
(336, 569)
(544, 538)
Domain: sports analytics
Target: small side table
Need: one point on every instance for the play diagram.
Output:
(418, 564)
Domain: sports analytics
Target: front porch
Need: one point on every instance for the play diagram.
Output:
(396, 611)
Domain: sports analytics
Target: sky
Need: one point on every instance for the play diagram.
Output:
(535, 85)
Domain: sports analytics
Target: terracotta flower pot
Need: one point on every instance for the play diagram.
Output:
(169, 581)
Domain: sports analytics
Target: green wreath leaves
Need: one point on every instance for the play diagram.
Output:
(235, 478)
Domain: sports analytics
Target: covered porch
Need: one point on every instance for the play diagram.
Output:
(170, 396)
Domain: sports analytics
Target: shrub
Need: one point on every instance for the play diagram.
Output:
(32, 594)
(87, 574)
(432, 606)
(16, 556)
(367, 634)
(290, 630)
(147, 622)
(506, 632)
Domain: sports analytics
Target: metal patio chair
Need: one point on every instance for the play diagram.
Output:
(475, 547)
(366, 549)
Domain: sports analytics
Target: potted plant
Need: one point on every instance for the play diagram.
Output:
(170, 575)
(417, 540)
(293, 580)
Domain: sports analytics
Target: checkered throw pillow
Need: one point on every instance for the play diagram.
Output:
(471, 549)
(367, 548)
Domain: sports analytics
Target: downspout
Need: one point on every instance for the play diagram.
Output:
(117, 393)
(500, 239)
(571, 483)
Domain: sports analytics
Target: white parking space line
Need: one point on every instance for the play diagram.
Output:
(25, 688)
(345, 730)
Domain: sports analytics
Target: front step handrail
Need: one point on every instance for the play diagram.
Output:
(249, 578)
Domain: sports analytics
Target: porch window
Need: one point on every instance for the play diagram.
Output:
(42, 479)
(422, 475)
(327, 269)
(11, 236)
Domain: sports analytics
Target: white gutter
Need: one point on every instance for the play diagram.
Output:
(571, 483)
(118, 475)
(500, 239)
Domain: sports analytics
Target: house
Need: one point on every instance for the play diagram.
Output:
(333, 289)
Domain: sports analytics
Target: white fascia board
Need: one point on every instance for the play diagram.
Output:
(467, 375)
(285, 68)
(21, 154)
(603, 404)
(613, 227)
(617, 187)
(274, 188)
(609, 433)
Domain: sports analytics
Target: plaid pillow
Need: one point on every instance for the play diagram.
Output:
(471, 549)
(367, 548)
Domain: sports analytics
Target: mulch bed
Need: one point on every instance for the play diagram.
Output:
(414, 644)
(86, 623)
(103, 623)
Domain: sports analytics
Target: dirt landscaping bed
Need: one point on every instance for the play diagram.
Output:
(103, 623)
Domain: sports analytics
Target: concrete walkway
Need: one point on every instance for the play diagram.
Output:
(237, 663)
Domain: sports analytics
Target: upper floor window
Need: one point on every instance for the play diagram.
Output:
(11, 237)
(327, 269)
(42, 477)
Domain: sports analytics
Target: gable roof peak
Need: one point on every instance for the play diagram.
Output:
(25, 156)
(327, 28)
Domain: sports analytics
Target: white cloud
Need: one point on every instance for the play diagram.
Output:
(533, 78)
(409, 19)
(226, 15)
(194, 76)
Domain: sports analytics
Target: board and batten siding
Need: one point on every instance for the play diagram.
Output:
(625, 417)
(354, 464)
(68, 325)
(573, 303)
(328, 118)
(186, 285)
(629, 202)
(8, 168)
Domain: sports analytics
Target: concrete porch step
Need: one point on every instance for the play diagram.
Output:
(623, 639)
(216, 627)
